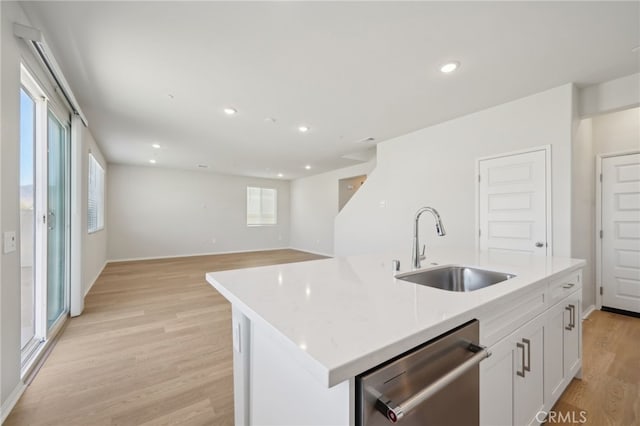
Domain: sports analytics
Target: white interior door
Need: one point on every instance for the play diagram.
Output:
(513, 203)
(621, 232)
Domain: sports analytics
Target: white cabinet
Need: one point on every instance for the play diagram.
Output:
(573, 336)
(530, 368)
(496, 385)
(528, 392)
(562, 347)
(511, 380)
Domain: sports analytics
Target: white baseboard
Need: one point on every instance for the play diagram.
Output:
(95, 278)
(319, 253)
(588, 311)
(177, 256)
(11, 401)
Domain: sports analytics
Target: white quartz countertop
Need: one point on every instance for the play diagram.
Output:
(343, 316)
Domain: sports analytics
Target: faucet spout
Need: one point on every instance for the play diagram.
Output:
(416, 257)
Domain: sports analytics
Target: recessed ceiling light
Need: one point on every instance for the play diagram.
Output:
(449, 67)
(303, 129)
(280, 175)
(230, 111)
(156, 145)
(152, 161)
(308, 167)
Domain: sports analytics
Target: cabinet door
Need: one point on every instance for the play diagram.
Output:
(496, 385)
(572, 337)
(554, 331)
(528, 376)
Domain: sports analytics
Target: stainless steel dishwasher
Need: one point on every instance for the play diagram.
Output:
(436, 383)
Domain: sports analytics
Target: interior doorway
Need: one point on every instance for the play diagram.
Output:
(347, 187)
(618, 245)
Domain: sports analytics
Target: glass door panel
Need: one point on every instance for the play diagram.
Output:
(56, 220)
(27, 218)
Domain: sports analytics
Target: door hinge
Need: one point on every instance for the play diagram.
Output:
(601, 234)
(600, 177)
(478, 178)
(601, 290)
(44, 218)
(479, 232)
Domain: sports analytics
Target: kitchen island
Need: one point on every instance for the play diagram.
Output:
(302, 332)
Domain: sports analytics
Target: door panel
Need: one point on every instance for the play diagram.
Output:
(621, 232)
(512, 203)
(56, 221)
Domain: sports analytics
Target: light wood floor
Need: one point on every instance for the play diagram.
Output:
(154, 348)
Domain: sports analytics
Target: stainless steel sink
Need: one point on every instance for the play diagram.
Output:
(455, 278)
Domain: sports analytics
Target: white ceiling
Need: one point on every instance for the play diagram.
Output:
(347, 70)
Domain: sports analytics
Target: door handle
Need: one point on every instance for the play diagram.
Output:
(539, 244)
(521, 373)
(51, 220)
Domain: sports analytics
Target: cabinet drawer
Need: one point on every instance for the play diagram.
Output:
(499, 323)
(564, 286)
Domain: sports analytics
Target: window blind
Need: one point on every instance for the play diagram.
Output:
(261, 206)
(95, 207)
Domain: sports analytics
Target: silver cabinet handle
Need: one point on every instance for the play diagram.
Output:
(539, 244)
(569, 285)
(521, 373)
(569, 326)
(528, 343)
(573, 315)
(395, 412)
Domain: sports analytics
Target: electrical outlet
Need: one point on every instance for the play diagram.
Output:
(9, 242)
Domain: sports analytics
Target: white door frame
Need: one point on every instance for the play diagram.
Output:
(598, 222)
(548, 176)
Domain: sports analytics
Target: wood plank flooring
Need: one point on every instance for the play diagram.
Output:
(154, 348)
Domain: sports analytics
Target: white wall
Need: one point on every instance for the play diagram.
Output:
(436, 167)
(314, 206)
(94, 246)
(583, 208)
(617, 132)
(155, 212)
(615, 95)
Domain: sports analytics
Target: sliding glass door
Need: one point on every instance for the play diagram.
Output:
(57, 204)
(44, 219)
(27, 219)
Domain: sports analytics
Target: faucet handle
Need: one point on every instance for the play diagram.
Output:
(395, 264)
(422, 255)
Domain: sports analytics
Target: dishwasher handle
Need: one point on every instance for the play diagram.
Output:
(395, 412)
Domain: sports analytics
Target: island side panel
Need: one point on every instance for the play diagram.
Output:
(282, 392)
(241, 331)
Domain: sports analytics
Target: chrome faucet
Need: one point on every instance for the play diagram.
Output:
(416, 256)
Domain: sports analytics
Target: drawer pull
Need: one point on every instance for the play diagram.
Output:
(568, 285)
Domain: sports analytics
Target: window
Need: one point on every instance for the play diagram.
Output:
(95, 209)
(261, 206)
